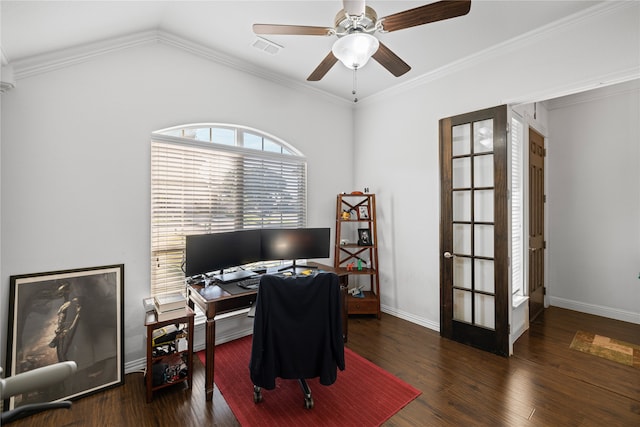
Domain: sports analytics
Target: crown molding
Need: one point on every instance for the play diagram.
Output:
(6, 86)
(595, 94)
(507, 47)
(7, 80)
(3, 58)
(233, 62)
(551, 96)
(51, 61)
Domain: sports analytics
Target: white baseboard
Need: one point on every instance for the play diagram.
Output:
(138, 365)
(411, 317)
(598, 310)
(517, 333)
(234, 327)
(238, 326)
(227, 329)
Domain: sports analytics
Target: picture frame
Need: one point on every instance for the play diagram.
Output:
(363, 212)
(67, 315)
(364, 237)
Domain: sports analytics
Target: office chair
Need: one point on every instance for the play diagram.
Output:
(33, 380)
(297, 332)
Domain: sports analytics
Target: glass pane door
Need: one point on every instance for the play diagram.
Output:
(474, 281)
(473, 223)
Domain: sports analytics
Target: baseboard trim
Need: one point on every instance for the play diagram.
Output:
(410, 317)
(598, 310)
(231, 333)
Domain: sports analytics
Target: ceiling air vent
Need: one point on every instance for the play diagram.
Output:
(266, 46)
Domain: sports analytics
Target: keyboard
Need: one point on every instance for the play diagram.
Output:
(250, 283)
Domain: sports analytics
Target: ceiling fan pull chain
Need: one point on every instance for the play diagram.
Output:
(355, 84)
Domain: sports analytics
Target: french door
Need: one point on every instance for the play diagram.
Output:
(536, 224)
(474, 247)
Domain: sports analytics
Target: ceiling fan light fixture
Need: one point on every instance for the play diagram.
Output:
(355, 49)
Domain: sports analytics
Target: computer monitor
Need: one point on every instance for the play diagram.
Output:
(206, 253)
(216, 251)
(295, 243)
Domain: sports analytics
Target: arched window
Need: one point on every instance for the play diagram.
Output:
(208, 178)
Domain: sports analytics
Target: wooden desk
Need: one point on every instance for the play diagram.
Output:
(213, 301)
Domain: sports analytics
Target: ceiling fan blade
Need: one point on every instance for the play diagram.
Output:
(425, 14)
(354, 7)
(324, 67)
(390, 61)
(295, 30)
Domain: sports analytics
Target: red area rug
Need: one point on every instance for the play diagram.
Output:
(363, 395)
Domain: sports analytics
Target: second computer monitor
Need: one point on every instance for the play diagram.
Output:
(295, 243)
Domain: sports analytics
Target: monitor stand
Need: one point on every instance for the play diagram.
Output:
(295, 267)
(233, 276)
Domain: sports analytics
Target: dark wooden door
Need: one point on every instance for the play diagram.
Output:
(536, 223)
(474, 266)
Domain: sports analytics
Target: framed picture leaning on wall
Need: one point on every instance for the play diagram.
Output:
(67, 315)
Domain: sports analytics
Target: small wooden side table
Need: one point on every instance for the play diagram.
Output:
(170, 351)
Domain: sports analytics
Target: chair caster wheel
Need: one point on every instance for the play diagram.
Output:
(257, 394)
(308, 402)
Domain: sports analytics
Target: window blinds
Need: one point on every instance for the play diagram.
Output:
(199, 188)
(517, 218)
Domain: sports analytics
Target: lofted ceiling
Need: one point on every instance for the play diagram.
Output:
(33, 28)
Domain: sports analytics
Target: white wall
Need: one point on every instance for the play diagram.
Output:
(75, 158)
(396, 151)
(75, 150)
(594, 202)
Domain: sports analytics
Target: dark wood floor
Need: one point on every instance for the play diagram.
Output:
(544, 384)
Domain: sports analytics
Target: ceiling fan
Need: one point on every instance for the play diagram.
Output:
(355, 25)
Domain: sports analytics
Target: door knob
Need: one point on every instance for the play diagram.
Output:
(448, 255)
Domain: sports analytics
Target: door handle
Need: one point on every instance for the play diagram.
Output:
(448, 255)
